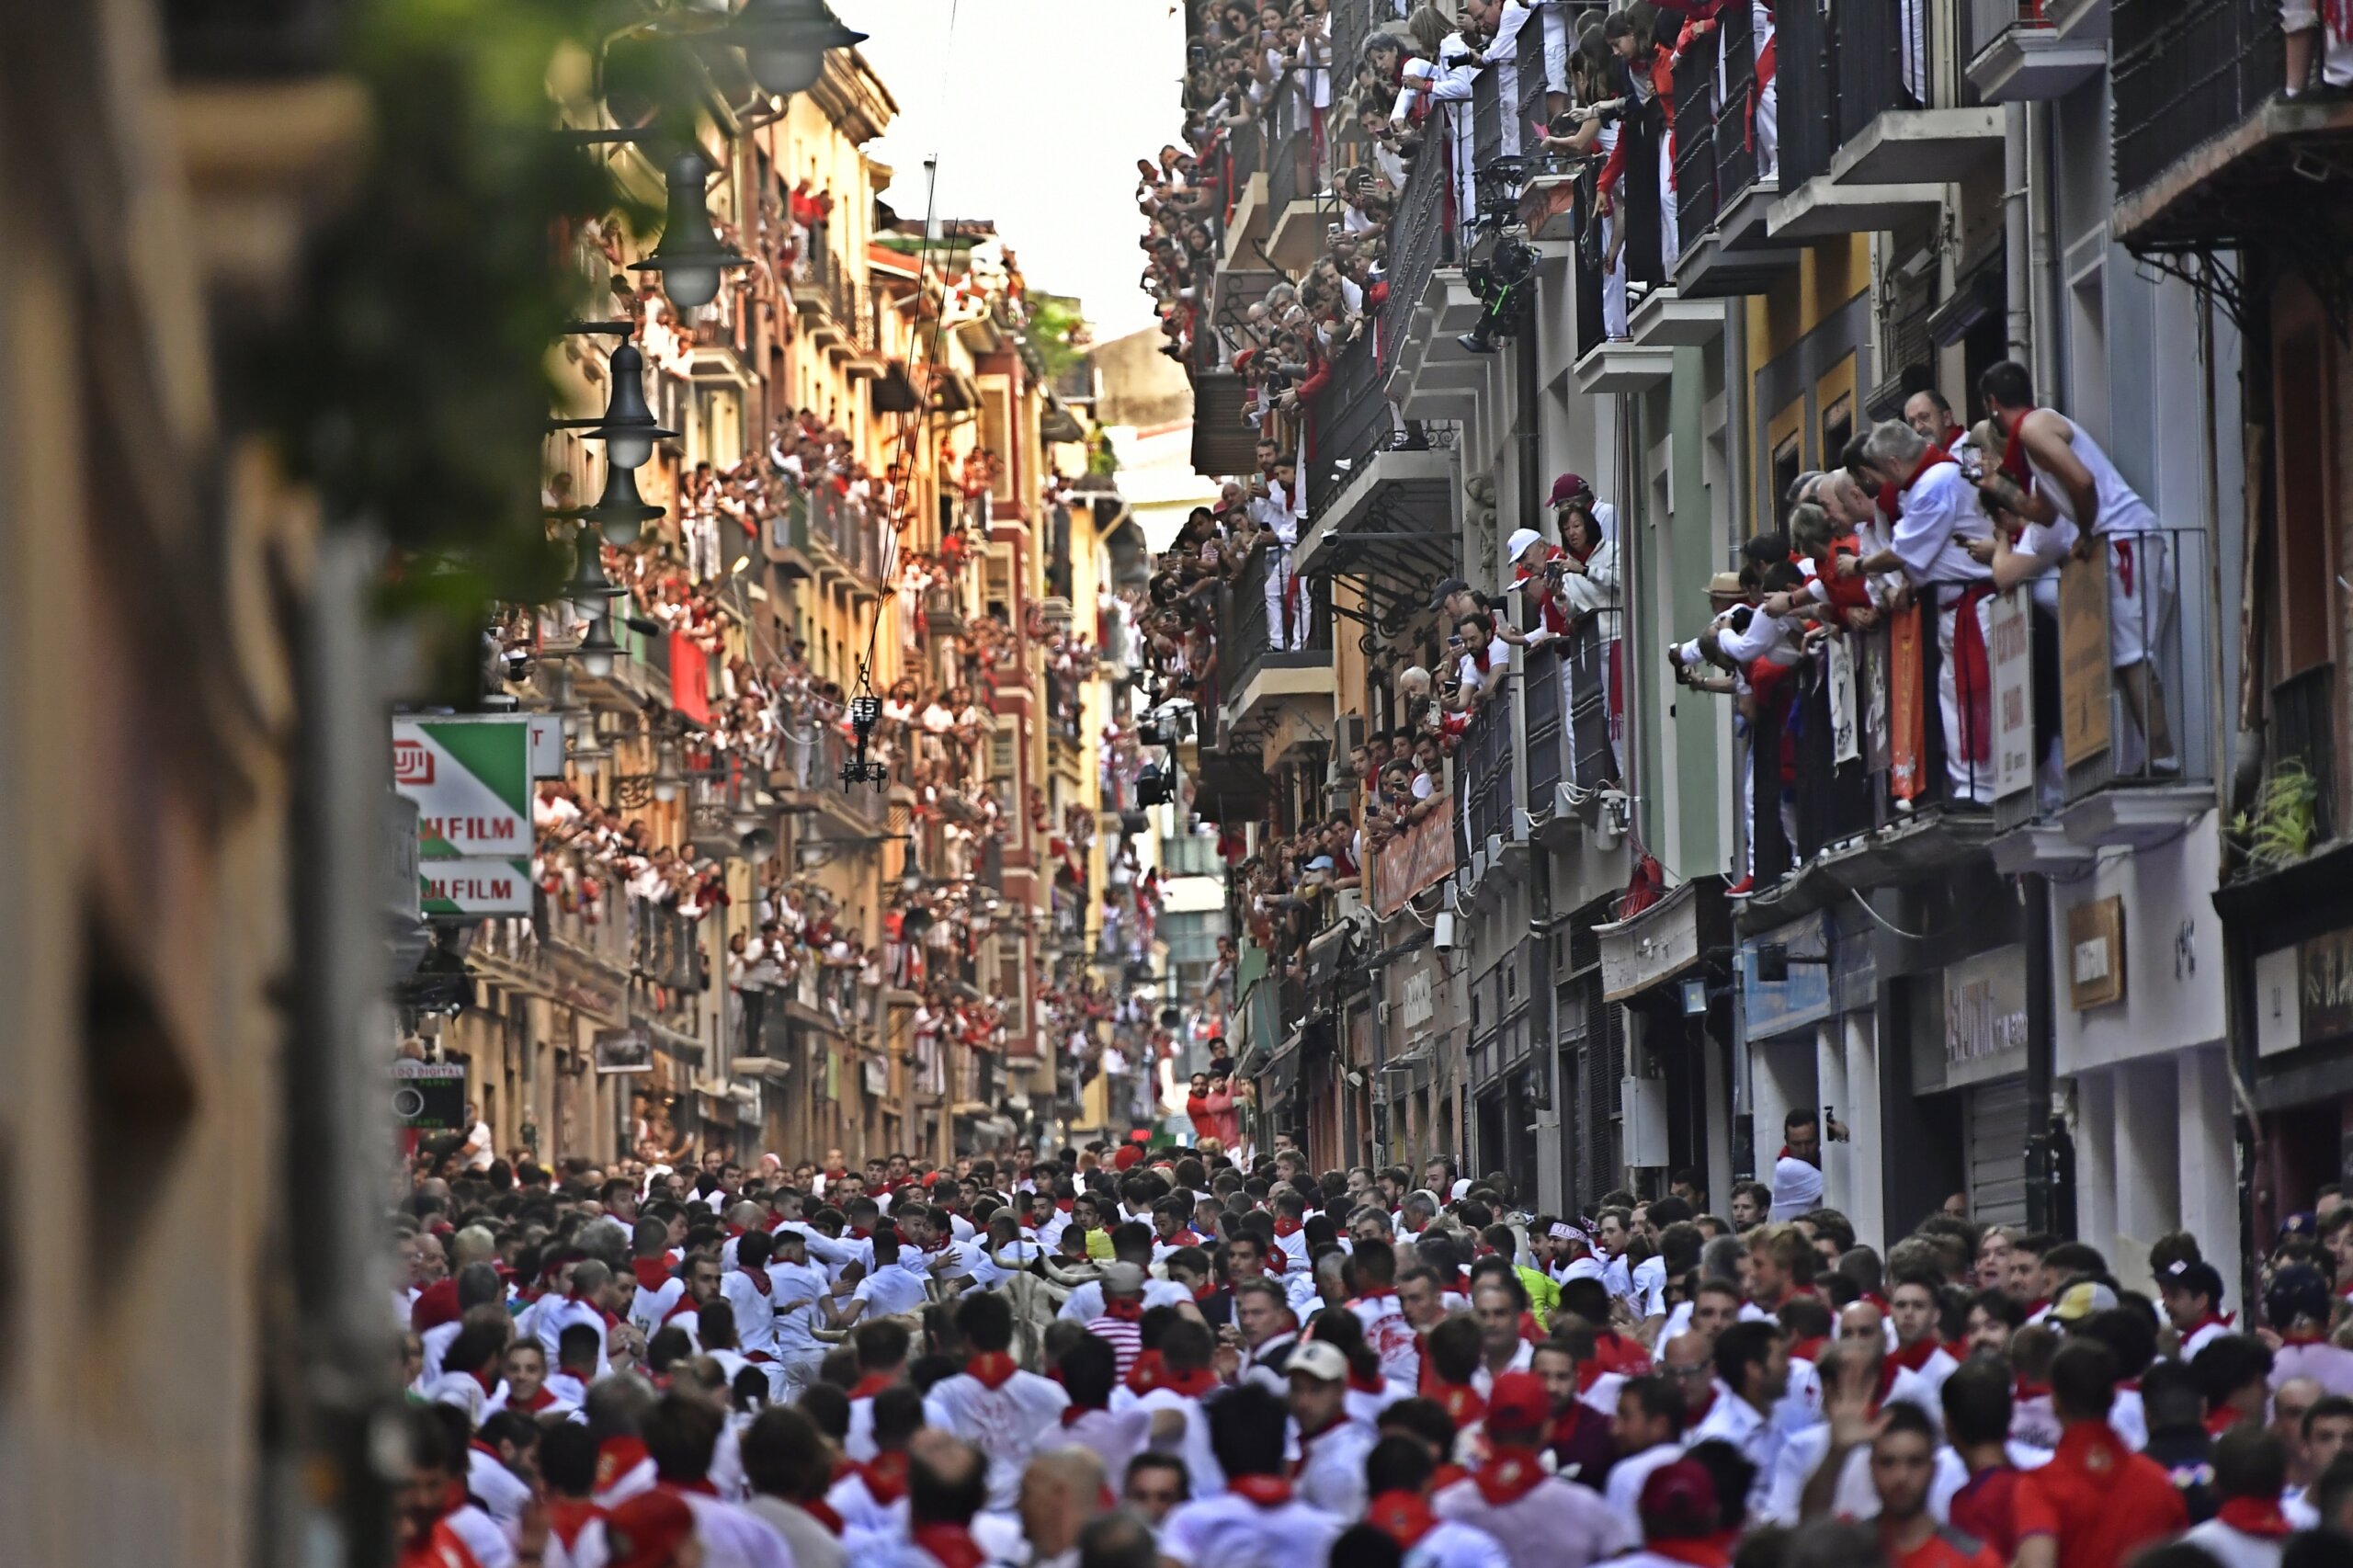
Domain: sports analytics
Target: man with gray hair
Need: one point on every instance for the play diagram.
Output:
(1936, 513)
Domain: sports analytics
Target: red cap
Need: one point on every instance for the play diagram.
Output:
(1681, 1497)
(1567, 488)
(1518, 1403)
(644, 1531)
(1125, 1157)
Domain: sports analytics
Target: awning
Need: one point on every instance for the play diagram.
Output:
(760, 1067)
(680, 1048)
(892, 392)
(1279, 1073)
(1223, 443)
(1670, 936)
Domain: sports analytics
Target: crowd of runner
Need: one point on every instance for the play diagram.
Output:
(1216, 1358)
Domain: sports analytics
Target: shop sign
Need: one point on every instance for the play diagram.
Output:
(429, 1097)
(2095, 953)
(1986, 1020)
(1773, 1007)
(471, 781)
(2084, 676)
(2279, 1001)
(1416, 857)
(1420, 1004)
(2009, 651)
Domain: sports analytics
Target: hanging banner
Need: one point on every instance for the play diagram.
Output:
(2010, 649)
(2083, 678)
(1845, 741)
(1906, 718)
(1423, 854)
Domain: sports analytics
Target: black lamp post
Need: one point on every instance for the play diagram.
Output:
(627, 426)
(785, 41)
(689, 257)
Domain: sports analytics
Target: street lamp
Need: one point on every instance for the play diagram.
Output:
(621, 515)
(785, 41)
(689, 257)
(627, 428)
(590, 587)
(597, 650)
(667, 779)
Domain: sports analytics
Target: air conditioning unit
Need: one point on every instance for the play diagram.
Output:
(1523, 825)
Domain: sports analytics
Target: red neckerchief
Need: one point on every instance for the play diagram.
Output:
(885, 1476)
(701, 1487)
(2013, 463)
(1192, 1384)
(1809, 1349)
(1705, 1552)
(1064, 1205)
(1447, 1476)
(869, 1385)
(683, 1304)
(1403, 1517)
(1616, 1353)
(2026, 1391)
(1127, 1309)
(1203, 1292)
(1462, 1402)
(992, 1368)
(862, 1232)
(2303, 1337)
(567, 1517)
(478, 1446)
(952, 1545)
(823, 1512)
(1904, 1357)
(1692, 1417)
(1266, 1491)
(2211, 1320)
(1510, 1474)
(1361, 1383)
(1074, 1413)
(2255, 1516)
(1286, 1226)
(758, 1277)
(1145, 1375)
(1563, 1427)
(1184, 1238)
(538, 1402)
(651, 1273)
(2221, 1421)
(616, 1457)
(488, 1380)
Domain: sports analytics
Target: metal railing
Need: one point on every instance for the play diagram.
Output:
(1545, 714)
(1242, 639)
(2303, 730)
(1805, 43)
(1695, 142)
(2184, 71)
(1738, 158)
(1348, 421)
(665, 948)
(1593, 749)
(1483, 764)
(1420, 241)
(810, 758)
(1983, 21)
(849, 527)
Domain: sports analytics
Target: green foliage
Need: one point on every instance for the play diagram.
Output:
(1053, 320)
(410, 382)
(1102, 457)
(2281, 827)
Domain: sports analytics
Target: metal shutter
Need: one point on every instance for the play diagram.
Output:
(1996, 1116)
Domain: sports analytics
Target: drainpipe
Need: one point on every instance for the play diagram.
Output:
(2016, 239)
(2043, 226)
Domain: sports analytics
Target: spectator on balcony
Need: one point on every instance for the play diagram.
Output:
(1481, 661)
(1938, 513)
(2051, 470)
(1439, 79)
(1279, 510)
(2314, 28)
(1646, 80)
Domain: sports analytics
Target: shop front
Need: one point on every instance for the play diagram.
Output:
(1417, 1024)
(1666, 968)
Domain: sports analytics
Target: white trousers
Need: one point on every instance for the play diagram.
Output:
(1286, 625)
(1966, 780)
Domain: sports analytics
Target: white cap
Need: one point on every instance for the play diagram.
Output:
(1797, 1188)
(1462, 1189)
(1318, 1360)
(1517, 545)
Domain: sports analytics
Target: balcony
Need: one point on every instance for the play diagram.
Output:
(1254, 681)
(1570, 756)
(1862, 145)
(1861, 796)
(2077, 770)
(1294, 180)
(2208, 154)
(1422, 246)
(1380, 492)
(808, 774)
(1725, 186)
(2015, 55)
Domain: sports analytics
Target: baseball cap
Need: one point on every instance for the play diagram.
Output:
(1520, 542)
(1322, 1362)
(2302, 1222)
(1122, 1279)
(1321, 863)
(646, 1531)
(1438, 593)
(2297, 1291)
(1567, 488)
(1125, 1156)
(2081, 1299)
(1517, 1403)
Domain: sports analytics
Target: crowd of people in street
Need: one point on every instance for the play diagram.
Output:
(1215, 1357)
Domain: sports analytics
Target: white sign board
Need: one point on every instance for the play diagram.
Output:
(472, 783)
(475, 887)
(2010, 650)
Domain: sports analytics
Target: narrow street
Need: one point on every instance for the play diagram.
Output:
(1179, 784)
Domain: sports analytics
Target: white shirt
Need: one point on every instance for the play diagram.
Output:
(1203, 1476)
(1229, 1531)
(1650, 1287)
(891, 1289)
(1522, 1358)
(1116, 1437)
(1008, 1422)
(1086, 1301)
(1735, 1420)
(497, 1488)
(1331, 1469)
(1391, 1338)
(2232, 1548)
(1558, 1524)
(1452, 1544)
(1626, 1477)
(1940, 510)
(482, 1537)
(794, 1289)
(860, 1443)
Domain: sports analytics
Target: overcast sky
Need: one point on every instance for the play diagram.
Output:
(1038, 110)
